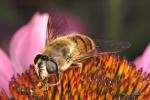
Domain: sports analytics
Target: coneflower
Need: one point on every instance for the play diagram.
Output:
(103, 77)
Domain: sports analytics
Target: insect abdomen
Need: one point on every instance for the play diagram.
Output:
(83, 43)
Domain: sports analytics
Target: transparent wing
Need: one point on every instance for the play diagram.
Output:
(103, 47)
(56, 25)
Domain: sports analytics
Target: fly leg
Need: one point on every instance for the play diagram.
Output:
(59, 76)
(47, 85)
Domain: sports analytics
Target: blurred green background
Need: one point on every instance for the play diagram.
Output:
(117, 20)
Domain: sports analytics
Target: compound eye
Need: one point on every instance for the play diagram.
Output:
(51, 67)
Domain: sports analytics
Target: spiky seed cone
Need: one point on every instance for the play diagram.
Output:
(104, 77)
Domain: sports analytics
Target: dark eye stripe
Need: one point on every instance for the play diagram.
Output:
(45, 58)
(40, 65)
(37, 58)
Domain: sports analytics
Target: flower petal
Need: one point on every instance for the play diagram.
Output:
(144, 60)
(6, 70)
(28, 42)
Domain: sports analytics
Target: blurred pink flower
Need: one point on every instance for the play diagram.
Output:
(144, 60)
(6, 70)
(26, 43)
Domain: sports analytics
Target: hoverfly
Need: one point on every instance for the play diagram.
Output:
(62, 52)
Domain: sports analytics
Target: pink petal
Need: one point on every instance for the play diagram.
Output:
(28, 42)
(144, 60)
(6, 71)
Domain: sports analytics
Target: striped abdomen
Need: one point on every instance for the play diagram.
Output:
(84, 44)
